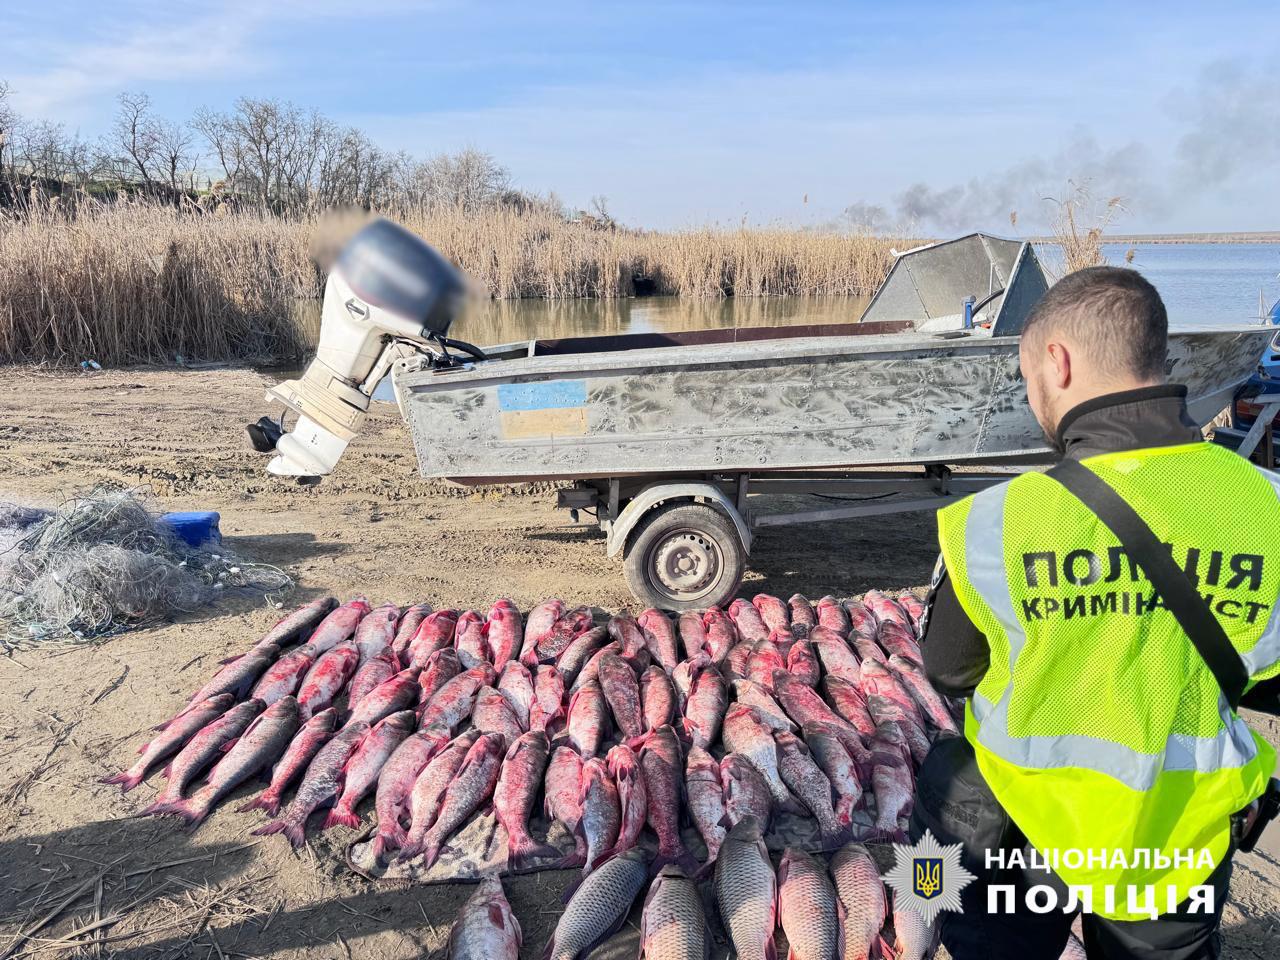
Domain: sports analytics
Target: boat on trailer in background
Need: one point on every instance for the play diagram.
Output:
(669, 439)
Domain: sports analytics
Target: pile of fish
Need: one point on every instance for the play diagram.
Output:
(587, 735)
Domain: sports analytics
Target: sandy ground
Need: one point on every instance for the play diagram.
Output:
(68, 718)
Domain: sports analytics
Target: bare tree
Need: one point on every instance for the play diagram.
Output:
(136, 133)
(175, 155)
(8, 128)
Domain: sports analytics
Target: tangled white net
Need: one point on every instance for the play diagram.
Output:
(103, 562)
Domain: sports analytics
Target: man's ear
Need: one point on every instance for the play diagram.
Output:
(1058, 366)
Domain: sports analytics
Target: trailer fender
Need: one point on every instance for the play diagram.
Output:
(655, 494)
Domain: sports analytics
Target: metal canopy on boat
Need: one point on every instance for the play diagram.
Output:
(929, 285)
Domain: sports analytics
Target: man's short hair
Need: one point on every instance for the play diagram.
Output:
(1114, 313)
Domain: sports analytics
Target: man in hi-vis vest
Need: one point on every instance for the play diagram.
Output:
(1102, 622)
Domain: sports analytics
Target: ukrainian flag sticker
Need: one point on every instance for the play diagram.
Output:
(551, 408)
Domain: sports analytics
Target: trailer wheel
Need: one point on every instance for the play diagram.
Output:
(684, 556)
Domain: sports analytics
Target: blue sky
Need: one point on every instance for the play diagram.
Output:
(945, 114)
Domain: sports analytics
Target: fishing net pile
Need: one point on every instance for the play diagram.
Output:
(103, 562)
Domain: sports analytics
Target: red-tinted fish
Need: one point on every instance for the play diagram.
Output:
(831, 614)
(485, 928)
(931, 703)
(804, 705)
(377, 631)
(236, 678)
(388, 697)
(591, 670)
(802, 664)
(410, 620)
(441, 667)
(746, 794)
(849, 703)
(803, 616)
(471, 788)
(745, 735)
(319, 785)
(763, 663)
(735, 662)
(362, 770)
(306, 743)
(746, 618)
(829, 753)
(468, 639)
(434, 633)
(580, 652)
(425, 791)
(263, 741)
(704, 709)
(633, 797)
(706, 798)
(773, 611)
(893, 788)
(283, 677)
(378, 670)
(879, 680)
(537, 628)
(897, 639)
(867, 649)
(339, 625)
(805, 779)
(914, 609)
(517, 686)
(618, 682)
(562, 793)
(768, 711)
(205, 747)
(682, 678)
(519, 782)
(588, 719)
(886, 608)
(547, 710)
(837, 659)
(663, 767)
(400, 778)
(693, 635)
(175, 736)
(861, 620)
(492, 714)
(563, 633)
(327, 676)
(295, 625)
(657, 698)
(454, 701)
(721, 634)
(504, 633)
(601, 812)
(660, 638)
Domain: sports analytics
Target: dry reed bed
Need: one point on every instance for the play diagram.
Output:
(142, 283)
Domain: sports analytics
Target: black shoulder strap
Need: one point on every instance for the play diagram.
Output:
(1170, 581)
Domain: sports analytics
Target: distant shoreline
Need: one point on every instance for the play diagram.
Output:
(1265, 236)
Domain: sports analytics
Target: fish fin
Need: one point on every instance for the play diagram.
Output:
(705, 871)
(264, 801)
(231, 659)
(125, 779)
(771, 947)
(884, 948)
(637, 743)
(296, 833)
(143, 749)
(518, 858)
(571, 862)
(267, 829)
(336, 817)
(230, 743)
(157, 808)
(167, 772)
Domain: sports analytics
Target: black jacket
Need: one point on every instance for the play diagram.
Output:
(956, 653)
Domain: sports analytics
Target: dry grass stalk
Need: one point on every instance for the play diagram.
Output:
(1082, 243)
(143, 282)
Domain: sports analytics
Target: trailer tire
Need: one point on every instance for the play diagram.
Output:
(684, 556)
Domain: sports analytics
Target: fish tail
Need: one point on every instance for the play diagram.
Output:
(882, 948)
(267, 829)
(528, 849)
(127, 780)
(267, 800)
(572, 861)
(637, 742)
(340, 816)
(680, 856)
(705, 871)
(896, 835)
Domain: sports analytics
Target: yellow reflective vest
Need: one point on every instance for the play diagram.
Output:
(1097, 725)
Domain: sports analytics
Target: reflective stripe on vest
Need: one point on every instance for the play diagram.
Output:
(1233, 747)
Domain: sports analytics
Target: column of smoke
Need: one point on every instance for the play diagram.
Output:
(1231, 124)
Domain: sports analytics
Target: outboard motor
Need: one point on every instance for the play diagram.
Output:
(389, 293)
